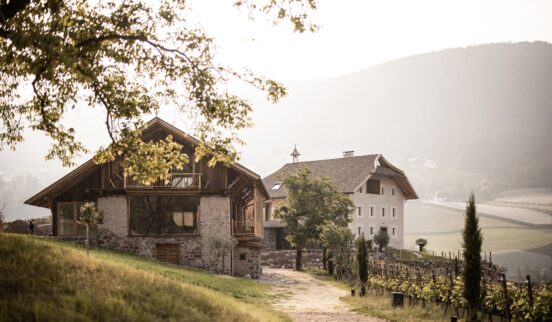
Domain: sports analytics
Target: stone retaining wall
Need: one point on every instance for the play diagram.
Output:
(278, 258)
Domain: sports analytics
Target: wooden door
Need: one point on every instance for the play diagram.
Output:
(167, 253)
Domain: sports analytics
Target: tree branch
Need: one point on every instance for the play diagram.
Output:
(140, 38)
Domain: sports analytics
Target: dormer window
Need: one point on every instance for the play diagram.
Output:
(276, 186)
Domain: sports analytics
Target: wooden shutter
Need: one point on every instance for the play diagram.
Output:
(167, 253)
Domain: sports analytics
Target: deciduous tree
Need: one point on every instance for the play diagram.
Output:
(421, 242)
(381, 239)
(310, 202)
(338, 239)
(89, 215)
(128, 58)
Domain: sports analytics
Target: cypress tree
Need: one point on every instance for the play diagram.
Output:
(362, 257)
(472, 241)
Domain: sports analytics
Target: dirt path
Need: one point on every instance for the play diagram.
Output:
(307, 299)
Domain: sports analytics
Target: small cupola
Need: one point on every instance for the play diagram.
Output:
(295, 154)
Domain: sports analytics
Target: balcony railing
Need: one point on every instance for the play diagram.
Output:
(190, 181)
(248, 228)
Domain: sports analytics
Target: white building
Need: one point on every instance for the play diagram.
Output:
(378, 189)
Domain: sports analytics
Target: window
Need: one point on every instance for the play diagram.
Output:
(359, 210)
(383, 190)
(393, 230)
(373, 186)
(242, 256)
(371, 231)
(394, 213)
(358, 231)
(382, 212)
(163, 215)
(183, 219)
(67, 213)
(276, 186)
(372, 211)
(392, 191)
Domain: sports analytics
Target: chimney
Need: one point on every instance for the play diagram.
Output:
(348, 154)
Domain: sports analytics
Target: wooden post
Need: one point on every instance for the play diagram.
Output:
(529, 291)
(507, 302)
(87, 238)
(456, 267)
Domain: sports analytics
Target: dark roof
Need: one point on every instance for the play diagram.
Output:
(89, 166)
(347, 173)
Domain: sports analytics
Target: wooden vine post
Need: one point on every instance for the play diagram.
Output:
(506, 300)
(529, 291)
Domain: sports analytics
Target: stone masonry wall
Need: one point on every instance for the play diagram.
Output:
(278, 258)
(194, 251)
(247, 261)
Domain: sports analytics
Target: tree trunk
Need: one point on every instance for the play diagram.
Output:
(87, 240)
(299, 259)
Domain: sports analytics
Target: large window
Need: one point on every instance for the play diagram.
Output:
(164, 215)
(67, 213)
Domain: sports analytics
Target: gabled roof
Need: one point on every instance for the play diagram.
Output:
(89, 166)
(347, 173)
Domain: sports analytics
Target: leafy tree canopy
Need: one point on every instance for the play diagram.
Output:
(421, 242)
(338, 240)
(89, 214)
(127, 57)
(310, 203)
(381, 239)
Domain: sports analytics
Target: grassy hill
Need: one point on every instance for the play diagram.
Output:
(44, 280)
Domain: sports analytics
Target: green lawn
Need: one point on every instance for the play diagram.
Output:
(43, 280)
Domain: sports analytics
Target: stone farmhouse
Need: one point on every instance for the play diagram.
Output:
(173, 221)
(378, 189)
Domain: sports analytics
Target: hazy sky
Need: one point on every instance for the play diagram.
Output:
(353, 35)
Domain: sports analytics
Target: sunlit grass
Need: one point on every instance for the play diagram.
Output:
(55, 281)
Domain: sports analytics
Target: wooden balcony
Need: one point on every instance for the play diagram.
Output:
(184, 181)
(247, 228)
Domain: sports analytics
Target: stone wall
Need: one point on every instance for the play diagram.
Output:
(247, 261)
(214, 223)
(194, 251)
(278, 258)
